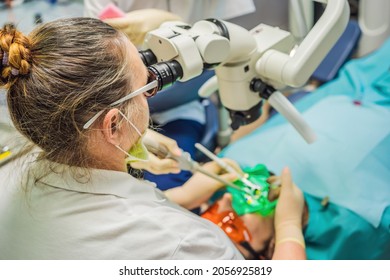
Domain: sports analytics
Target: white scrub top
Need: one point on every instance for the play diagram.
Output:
(189, 10)
(111, 216)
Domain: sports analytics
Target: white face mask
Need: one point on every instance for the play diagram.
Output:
(138, 151)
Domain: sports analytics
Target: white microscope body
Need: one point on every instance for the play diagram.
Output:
(249, 65)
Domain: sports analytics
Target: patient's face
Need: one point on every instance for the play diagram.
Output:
(261, 229)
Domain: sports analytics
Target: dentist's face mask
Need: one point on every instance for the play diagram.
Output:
(138, 151)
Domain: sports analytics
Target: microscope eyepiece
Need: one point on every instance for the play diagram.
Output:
(148, 57)
(166, 73)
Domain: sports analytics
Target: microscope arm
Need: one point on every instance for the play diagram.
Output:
(295, 70)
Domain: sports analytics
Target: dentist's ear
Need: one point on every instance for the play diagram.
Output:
(110, 126)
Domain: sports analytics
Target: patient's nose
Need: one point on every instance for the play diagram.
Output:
(225, 203)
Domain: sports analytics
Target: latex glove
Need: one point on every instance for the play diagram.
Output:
(199, 188)
(156, 165)
(290, 243)
(139, 22)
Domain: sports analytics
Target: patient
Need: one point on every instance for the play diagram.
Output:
(247, 219)
(253, 234)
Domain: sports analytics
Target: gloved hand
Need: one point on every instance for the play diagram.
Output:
(157, 165)
(288, 220)
(139, 22)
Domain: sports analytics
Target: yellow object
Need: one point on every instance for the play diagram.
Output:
(5, 155)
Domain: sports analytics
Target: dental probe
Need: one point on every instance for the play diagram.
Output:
(226, 166)
(185, 162)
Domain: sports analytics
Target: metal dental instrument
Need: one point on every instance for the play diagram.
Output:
(185, 161)
(227, 167)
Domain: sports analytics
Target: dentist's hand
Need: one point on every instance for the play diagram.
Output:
(155, 164)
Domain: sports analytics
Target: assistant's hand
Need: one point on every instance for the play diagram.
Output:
(139, 22)
(290, 243)
(157, 165)
(291, 203)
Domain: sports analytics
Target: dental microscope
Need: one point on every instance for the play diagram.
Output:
(249, 65)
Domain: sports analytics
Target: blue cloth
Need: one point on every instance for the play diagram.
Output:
(351, 159)
(186, 133)
(334, 232)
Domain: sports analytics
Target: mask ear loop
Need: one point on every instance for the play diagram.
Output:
(127, 119)
(119, 147)
(139, 133)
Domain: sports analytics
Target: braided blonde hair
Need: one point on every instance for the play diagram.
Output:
(58, 77)
(15, 55)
